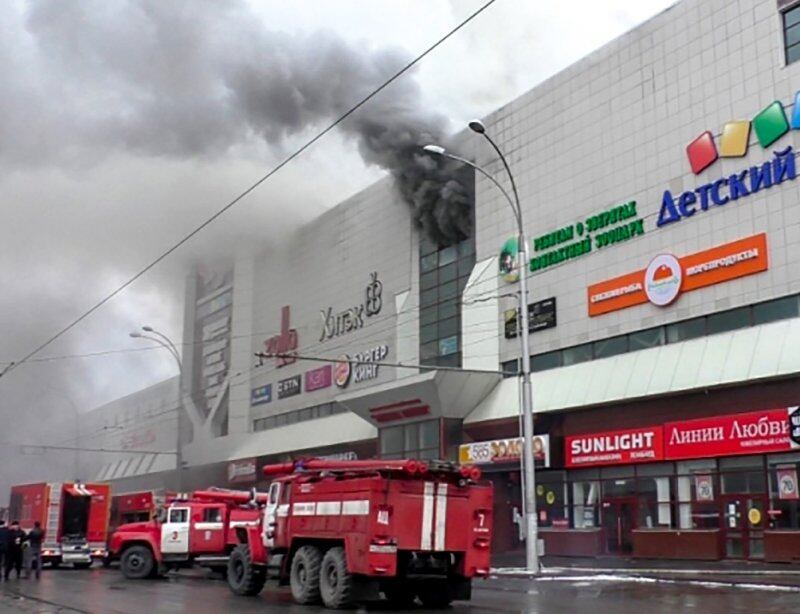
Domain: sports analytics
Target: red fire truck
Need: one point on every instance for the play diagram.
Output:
(73, 515)
(196, 529)
(345, 531)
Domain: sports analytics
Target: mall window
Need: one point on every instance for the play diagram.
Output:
(791, 34)
(415, 440)
(784, 504)
(298, 415)
(741, 317)
(443, 277)
(510, 368)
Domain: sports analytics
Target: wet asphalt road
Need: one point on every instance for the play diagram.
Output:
(106, 591)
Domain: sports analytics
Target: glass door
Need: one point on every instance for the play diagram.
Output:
(743, 523)
(619, 521)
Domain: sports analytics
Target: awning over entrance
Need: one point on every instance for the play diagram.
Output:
(434, 394)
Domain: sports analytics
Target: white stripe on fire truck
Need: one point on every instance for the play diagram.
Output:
(244, 523)
(427, 516)
(329, 508)
(441, 517)
(303, 509)
(208, 526)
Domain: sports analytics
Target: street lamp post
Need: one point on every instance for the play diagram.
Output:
(523, 259)
(165, 342)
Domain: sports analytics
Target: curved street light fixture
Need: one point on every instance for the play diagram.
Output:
(166, 343)
(529, 492)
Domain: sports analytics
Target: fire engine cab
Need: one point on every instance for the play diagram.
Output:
(195, 529)
(339, 532)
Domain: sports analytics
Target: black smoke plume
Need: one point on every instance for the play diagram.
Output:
(186, 79)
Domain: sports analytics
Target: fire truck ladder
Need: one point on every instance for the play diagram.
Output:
(53, 513)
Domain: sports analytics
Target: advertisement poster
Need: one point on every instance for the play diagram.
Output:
(787, 483)
(504, 450)
(704, 487)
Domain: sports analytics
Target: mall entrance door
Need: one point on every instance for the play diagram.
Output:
(744, 518)
(619, 521)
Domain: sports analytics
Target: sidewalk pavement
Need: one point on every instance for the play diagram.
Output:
(726, 572)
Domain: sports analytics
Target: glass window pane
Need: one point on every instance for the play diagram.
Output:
(448, 327)
(465, 266)
(428, 297)
(791, 17)
(462, 283)
(448, 309)
(325, 410)
(793, 35)
(650, 338)
(429, 434)
(448, 345)
(391, 439)
(429, 262)
(779, 309)
(466, 247)
(429, 350)
(304, 414)
(793, 54)
(579, 353)
(448, 273)
(682, 331)
(510, 367)
(550, 360)
(728, 320)
(610, 347)
(428, 333)
(447, 255)
(448, 290)
(428, 316)
(411, 437)
(428, 280)
(451, 360)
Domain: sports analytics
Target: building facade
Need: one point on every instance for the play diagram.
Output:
(658, 186)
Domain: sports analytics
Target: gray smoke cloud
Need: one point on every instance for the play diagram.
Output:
(180, 79)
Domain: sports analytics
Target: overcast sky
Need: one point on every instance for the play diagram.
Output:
(118, 134)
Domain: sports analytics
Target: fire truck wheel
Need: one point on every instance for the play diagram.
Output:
(335, 582)
(304, 576)
(244, 578)
(435, 595)
(137, 563)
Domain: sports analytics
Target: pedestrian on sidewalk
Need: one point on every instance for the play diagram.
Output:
(16, 537)
(4, 537)
(34, 539)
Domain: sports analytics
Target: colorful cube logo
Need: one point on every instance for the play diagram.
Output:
(702, 152)
(770, 124)
(735, 136)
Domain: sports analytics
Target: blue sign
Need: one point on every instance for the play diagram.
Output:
(261, 395)
(728, 189)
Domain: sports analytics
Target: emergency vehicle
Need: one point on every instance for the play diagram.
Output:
(339, 532)
(193, 529)
(74, 517)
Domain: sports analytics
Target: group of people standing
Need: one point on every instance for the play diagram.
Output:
(12, 549)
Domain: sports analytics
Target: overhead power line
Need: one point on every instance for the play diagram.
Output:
(308, 144)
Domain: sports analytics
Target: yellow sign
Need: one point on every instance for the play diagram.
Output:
(551, 497)
(503, 450)
(754, 516)
(540, 490)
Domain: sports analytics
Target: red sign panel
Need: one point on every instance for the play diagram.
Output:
(752, 433)
(615, 447)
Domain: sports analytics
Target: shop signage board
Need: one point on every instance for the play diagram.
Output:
(319, 378)
(360, 367)
(541, 316)
(751, 433)
(289, 387)
(794, 426)
(666, 277)
(242, 470)
(353, 318)
(640, 445)
(261, 395)
(499, 451)
(284, 343)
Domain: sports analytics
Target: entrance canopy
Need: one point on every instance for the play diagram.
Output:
(433, 394)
